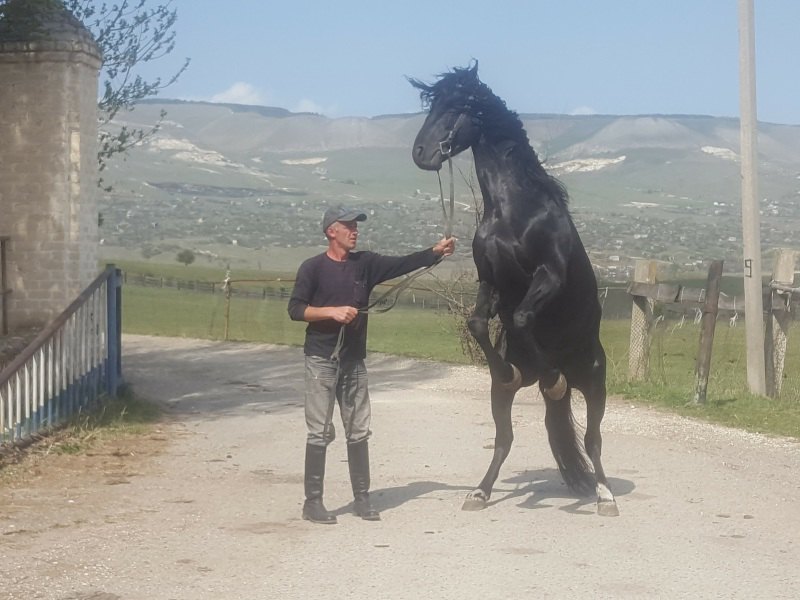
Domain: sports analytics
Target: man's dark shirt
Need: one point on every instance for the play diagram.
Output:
(322, 281)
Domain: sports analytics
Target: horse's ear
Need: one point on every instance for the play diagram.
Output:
(473, 70)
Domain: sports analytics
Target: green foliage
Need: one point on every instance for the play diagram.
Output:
(129, 33)
(186, 257)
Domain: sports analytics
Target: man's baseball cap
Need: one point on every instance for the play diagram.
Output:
(340, 213)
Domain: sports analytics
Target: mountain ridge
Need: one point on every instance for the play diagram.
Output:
(236, 181)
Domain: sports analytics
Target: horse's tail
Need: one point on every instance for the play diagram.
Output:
(567, 447)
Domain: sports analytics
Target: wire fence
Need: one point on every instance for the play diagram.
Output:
(615, 300)
(673, 331)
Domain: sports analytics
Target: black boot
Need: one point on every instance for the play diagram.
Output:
(313, 508)
(358, 461)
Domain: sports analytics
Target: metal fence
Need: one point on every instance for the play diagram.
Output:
(68, 367)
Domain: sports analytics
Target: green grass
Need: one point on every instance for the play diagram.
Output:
(432, 334)
(124, 415)
(193, 272)
(671, 381)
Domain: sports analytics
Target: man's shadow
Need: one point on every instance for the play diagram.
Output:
(531, 488)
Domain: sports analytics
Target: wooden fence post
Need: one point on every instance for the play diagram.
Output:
(778, 321)
(707, 326)
(226, 285)
(641, 323)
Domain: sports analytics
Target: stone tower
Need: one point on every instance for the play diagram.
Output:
(49, 66)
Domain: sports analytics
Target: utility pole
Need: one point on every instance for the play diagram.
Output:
(751, 221)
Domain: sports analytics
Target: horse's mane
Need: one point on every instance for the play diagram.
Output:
(462, 90)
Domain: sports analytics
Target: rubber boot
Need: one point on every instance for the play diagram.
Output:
(358, 461)
(313, 508)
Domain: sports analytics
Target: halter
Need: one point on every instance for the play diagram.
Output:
(446, 145)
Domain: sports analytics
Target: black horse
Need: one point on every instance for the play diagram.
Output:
(534, 274)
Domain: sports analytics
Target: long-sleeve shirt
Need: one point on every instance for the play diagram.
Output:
(322, 281)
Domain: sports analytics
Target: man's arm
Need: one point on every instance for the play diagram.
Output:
(389, 267)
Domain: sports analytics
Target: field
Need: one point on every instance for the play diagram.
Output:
(433, 334)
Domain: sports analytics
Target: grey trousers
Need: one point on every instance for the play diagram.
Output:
(352, 397)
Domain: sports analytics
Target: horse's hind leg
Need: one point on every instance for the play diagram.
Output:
(502, 400)
(595, 394)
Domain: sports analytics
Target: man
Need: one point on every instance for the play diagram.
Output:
(331, 292)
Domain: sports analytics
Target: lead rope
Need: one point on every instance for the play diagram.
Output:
(448, 219)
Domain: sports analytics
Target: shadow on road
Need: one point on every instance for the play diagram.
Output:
(533, 488)
(215, 379)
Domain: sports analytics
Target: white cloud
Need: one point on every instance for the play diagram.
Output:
(306, 105)
(583, 110)
(239, 93)
(309, 106)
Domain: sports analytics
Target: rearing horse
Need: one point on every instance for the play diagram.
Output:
(534, 274)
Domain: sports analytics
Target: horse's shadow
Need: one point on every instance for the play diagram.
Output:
(536, 487)
(533, 489)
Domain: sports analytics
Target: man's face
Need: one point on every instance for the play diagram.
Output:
(345, 234)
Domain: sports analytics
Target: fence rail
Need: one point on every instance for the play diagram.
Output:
(68, 366)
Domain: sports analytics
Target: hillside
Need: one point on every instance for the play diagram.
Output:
(246, 185)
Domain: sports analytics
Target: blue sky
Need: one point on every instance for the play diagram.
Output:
(350, 57)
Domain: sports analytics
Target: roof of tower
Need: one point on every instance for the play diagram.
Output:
(43, 25)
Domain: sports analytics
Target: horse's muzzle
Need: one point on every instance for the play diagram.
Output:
(427, 161)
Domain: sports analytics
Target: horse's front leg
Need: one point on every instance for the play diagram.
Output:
(502, 372)
(545, 284)
(502, 400)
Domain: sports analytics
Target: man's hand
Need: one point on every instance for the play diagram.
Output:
(343, 314)
(445, 246)
(340, 314)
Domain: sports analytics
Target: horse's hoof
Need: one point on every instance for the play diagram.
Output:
(475, 501)
(516, 380)
(607, 508)
(558, 389)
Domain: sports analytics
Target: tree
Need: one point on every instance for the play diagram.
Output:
(186, 257)
(129, 33)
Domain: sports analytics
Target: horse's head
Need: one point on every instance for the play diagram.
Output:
(454, 116)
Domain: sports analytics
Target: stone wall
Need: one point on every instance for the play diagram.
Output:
(48, 169)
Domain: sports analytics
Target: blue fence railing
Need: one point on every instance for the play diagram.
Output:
(69, 366)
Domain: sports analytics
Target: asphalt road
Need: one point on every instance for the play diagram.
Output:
(208, 506)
